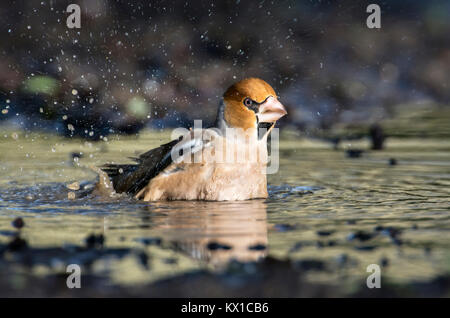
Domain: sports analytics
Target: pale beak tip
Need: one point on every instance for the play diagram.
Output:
(271, 110)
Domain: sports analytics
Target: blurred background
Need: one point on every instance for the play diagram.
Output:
(136, 64)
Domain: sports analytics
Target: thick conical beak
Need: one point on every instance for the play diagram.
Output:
(270, 111)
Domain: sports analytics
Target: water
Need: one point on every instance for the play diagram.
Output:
(346, 212)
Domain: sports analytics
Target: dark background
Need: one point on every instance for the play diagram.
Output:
(163, 63)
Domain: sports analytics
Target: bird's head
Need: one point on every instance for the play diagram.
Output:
(250, 102)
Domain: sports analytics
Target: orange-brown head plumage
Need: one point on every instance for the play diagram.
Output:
(245, 100)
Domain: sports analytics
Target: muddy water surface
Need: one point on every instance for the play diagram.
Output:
(331, 213)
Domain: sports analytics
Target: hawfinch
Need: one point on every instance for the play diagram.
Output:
(223, 163)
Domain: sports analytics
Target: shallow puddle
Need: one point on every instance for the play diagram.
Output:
(333, 214)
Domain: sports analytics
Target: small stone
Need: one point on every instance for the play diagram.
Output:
(75, 186)
(354, 153)
(18, 223)
(71, 195)
(377, 137)
(324, 233)
(392, 232)
(76, 155)
(360, 235)
(17, 244)
(149, 240)
(170, 261)
(392, 161)
(94, 240)
(284, 227)
(365, 248)
(143, 258)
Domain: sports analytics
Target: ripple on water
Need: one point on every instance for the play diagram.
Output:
(285, 191)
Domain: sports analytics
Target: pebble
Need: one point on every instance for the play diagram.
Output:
(143, 258)
(17, 244)
(73, 186)
(366, 248)
(149, 240)
(354, 153)
(377, 137)
(360, 235)
(324, 233)
(18, 223)
(284, 227)
(94, 241)
(76, 155)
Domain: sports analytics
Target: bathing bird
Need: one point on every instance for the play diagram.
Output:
(226, 162)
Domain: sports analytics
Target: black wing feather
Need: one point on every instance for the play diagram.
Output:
(131, 178)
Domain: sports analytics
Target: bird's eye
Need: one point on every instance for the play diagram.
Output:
(248, 102)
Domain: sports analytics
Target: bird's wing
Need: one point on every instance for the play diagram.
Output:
(131, 178)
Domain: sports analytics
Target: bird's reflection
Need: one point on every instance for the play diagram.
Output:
(216, 232)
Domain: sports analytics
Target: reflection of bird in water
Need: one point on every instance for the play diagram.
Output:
(216, 232)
